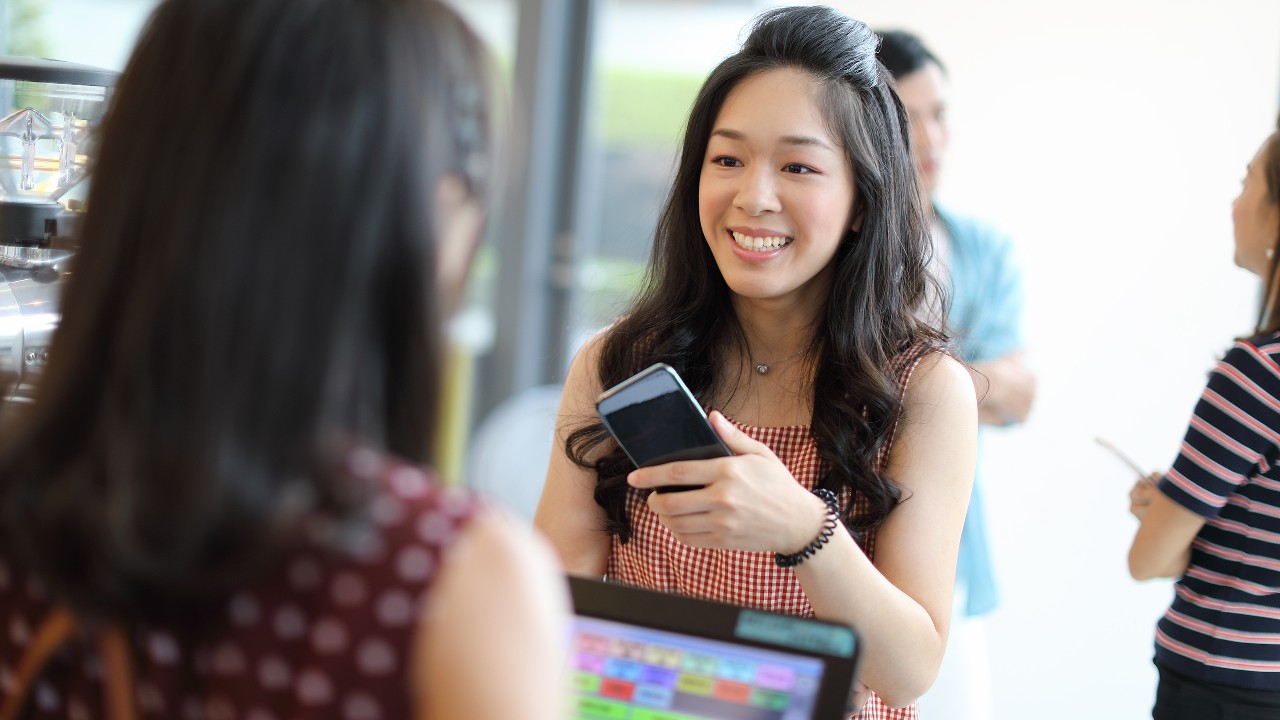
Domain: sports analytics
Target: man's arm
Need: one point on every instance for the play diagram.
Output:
(1010, 389)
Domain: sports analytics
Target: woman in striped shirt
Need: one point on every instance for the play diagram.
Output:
(1214, 519)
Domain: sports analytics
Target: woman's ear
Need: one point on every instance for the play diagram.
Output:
(459, 220)
(858, 213)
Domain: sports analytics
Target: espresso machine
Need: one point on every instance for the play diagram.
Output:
(51, 111)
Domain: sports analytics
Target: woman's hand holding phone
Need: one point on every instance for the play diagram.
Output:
(748, 502)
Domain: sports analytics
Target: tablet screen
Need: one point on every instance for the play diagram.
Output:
(625, 672)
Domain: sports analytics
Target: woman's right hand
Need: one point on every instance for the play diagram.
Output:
(749, 501)
(1142, 493)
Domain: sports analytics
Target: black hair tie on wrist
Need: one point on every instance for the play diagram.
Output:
(829, 526)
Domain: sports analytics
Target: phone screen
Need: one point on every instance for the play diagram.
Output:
(656, 420)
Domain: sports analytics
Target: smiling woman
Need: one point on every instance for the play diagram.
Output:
(785, 286)
(771, 150)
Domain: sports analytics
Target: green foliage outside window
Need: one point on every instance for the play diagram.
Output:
(26, 34)
(644, 107)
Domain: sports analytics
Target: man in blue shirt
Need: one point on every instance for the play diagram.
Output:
(976, 262)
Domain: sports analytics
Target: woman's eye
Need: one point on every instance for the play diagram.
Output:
(726, 161)
(796, 168)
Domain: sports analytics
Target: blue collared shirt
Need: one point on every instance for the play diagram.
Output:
(986, 319)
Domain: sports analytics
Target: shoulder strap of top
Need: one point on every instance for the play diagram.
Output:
(55, 632)
(904, 363)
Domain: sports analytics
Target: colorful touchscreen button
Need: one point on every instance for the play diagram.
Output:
(624, 672)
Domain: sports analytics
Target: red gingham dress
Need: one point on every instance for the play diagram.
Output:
(654, 559)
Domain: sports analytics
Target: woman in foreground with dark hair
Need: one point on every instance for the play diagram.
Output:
(785, 286)
(1213, 520)
(215, 508)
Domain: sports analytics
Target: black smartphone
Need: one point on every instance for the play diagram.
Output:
(656, 420)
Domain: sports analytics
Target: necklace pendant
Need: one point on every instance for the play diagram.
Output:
(762, 368)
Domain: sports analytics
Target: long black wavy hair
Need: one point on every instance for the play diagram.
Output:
(684, 316)
(257, 287)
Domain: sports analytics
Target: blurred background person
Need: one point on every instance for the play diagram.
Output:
(216, 507)
(1213, 520)
(977, 262)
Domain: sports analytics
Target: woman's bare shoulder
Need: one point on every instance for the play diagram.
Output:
(940, 376)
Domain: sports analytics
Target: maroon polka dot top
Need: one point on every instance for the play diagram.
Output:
(329, 635)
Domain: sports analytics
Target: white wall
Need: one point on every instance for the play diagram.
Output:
(1109, 136)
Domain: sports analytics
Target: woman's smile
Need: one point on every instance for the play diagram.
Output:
(757, 245)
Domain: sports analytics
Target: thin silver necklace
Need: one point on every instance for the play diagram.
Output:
(763, 367)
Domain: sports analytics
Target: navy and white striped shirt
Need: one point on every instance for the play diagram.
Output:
(1224, 624)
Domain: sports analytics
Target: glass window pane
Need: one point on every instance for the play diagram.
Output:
(650, 60)
(91, 32)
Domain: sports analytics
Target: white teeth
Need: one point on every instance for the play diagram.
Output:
(758, 244)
